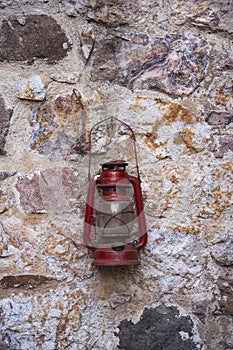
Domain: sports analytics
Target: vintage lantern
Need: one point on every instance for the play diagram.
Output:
(114, 226)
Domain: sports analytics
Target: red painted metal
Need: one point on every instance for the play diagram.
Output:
(140, 212)
(89, 220)
(128, 255)
(112, 187)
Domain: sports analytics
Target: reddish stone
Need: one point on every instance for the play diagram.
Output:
(225, 145)
(59, 189)
(70, 184)
(30, 196)
(52, 190)
(219, 119)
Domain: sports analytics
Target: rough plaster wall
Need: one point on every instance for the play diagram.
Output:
(165, 68)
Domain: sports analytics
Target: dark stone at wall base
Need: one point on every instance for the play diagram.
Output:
(158, 330)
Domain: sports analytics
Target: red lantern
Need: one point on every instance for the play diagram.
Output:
(115, 227)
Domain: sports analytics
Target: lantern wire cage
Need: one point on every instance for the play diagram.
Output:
(112, 127)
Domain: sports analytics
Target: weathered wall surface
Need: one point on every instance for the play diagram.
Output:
(165, 68)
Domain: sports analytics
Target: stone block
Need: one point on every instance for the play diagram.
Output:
(218, 119)
(220, 91)
(87, 41)
(50, 317)
(200, 309)
(5, 117)
(5, 3)
(51, 190)
(59, 128)
(175, 65)
(23, 281)
(158, 329)
(201, 13)
(225, 286)
(111, 13)
(31, 89)
(222, 250)
(216, 190)
(17, 249)
(225, 145)
(36, 37)
(66, 257)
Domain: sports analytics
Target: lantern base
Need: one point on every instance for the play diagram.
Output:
(128, 255)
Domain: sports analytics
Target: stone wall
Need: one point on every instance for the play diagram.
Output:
(165, 68)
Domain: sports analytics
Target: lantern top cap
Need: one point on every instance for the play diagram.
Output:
(114, 164)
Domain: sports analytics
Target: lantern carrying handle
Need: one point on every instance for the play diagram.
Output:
(134, 144)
